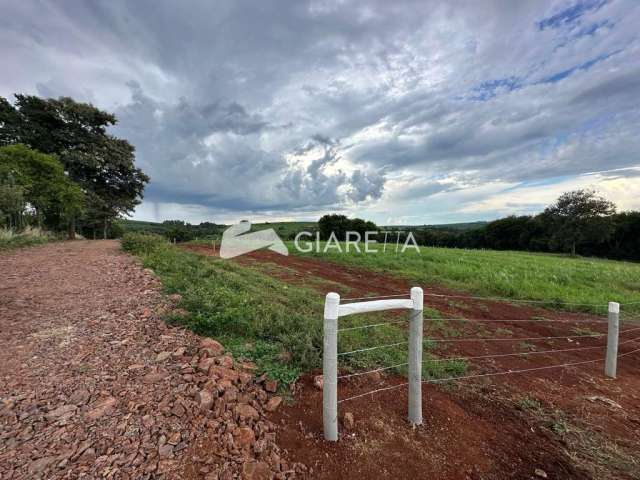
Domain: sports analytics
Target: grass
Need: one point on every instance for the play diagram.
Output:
(528, 403)
(557, 280)
(585, 331)
(10, 239)
(588, 444)
(528, 346)
(286, 229)
(595, 451)
(263, 319)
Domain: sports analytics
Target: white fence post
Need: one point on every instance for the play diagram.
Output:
(612, 340)
(330, 367)
(415, 356)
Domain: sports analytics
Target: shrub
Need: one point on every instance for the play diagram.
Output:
(10, 238)
(142, 243)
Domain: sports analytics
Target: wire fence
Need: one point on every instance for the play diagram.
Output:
(487, 357)
(477, 320)
(483, 375)
(615, 338)
(483, 339)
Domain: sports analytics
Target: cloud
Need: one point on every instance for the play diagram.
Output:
(395, 110)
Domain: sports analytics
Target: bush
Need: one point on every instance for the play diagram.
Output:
(29, 236)
(142, 243)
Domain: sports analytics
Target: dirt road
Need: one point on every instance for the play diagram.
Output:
(93, 384)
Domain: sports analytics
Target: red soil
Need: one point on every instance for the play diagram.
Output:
(466, 435)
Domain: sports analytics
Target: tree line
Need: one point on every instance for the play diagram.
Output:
(579, 222)
(60, 168)
(175, 230)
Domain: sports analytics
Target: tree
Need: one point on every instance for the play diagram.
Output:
(340, 225)
(9, 123)
(362, 226)
(101, 164)
(42, 184)
(580, 216)
(625, 240)
(334, 223)
(177, 230)
(12, 204)
(507, 233)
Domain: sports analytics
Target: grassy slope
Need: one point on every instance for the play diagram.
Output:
(519, 275)
(259, 317)
(285, 229)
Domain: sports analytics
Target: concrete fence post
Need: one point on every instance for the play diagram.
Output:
(612, 340)
(330, 367)
(415, 356)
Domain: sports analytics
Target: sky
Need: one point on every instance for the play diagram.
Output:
(398, 112)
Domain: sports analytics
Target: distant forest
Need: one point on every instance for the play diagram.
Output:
(580, 222)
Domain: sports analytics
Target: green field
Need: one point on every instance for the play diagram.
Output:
(264, 319)
(141, 226)
(556, 279)
(279, 326)
(286, 230)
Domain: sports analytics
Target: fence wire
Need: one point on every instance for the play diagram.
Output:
(372, 325)
(481, 339)
(515, 320)
(515, 339)
(372, 348)
(515, 300)
(474, 320)
(492, 299)
(486, 357)
(482, 375)
(596, 307)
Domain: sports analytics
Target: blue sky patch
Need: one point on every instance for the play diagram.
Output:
(556, 77)
(571, 14)
(489, 88)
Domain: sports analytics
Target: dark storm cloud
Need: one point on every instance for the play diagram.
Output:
(277, 106)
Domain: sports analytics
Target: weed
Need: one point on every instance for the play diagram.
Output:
(483, 307)
(528, 403)
(504, 332)
(529, 347)
(559, 425)
(433, 368)
(457, 304)
(584, 331)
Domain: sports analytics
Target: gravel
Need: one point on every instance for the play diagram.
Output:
(93, 384)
